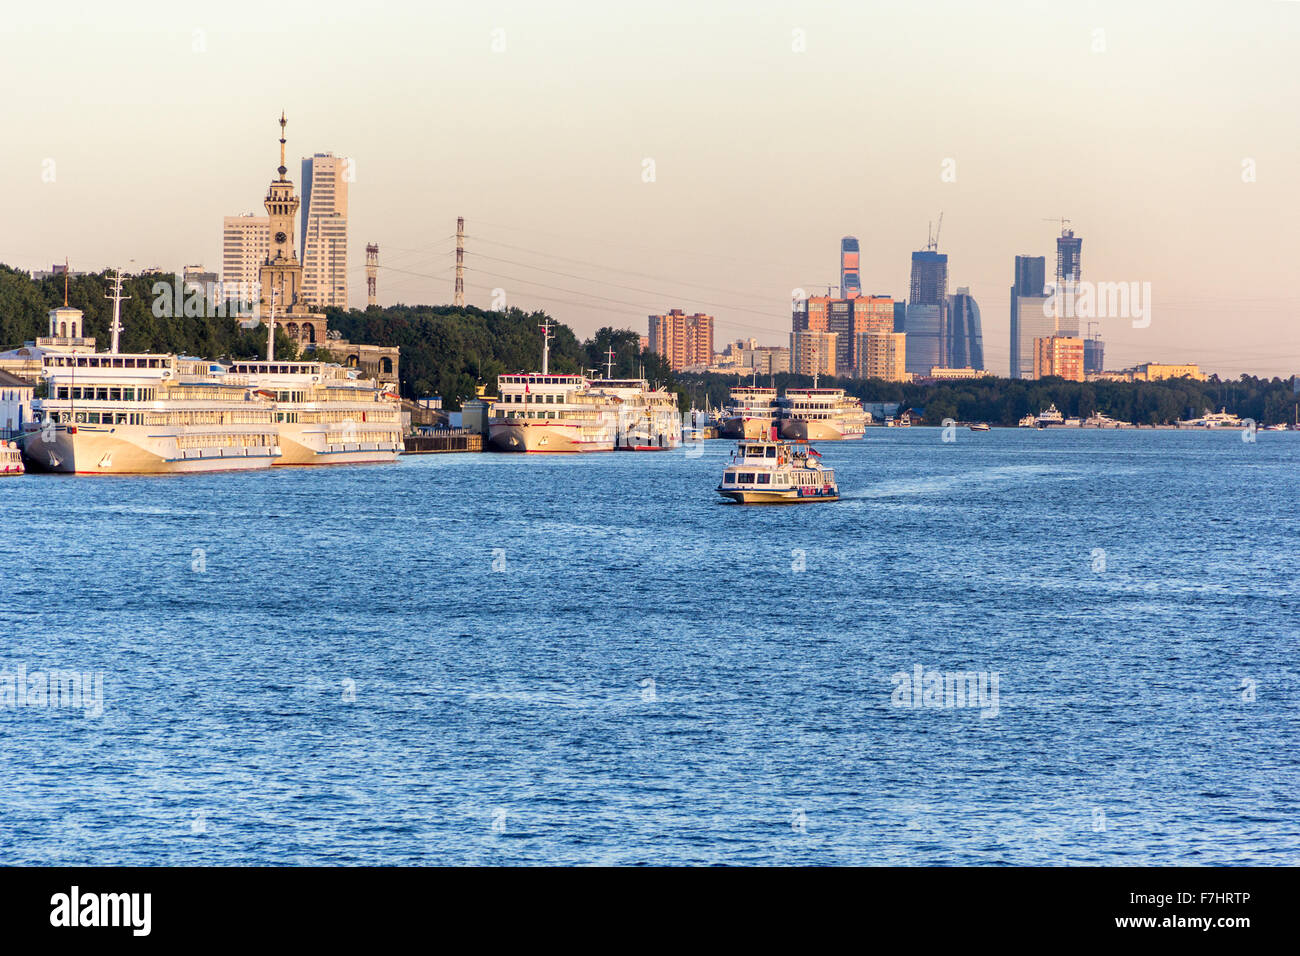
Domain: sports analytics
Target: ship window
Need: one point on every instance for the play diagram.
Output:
(745, 478)
(729, 477)
(764, 478)
(771, 453)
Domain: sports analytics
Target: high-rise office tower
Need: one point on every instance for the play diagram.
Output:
(929, 278)
(1066, 281)
(850, 274)
(927, 306)
(1031, 275)
(325, 231)
(1031, 313)
(965, 334)
(925, 338)
(245, 244)
(1094, 356)
(1069, 251)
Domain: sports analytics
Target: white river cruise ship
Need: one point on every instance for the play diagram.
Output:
(646, 418)
(324, 414)
(110, 413)
(540, 412)
(749, 413)
(820, 414)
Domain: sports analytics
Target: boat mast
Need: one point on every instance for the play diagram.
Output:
(117, 297)
(270, 329)
(546, 345)
(609, 363)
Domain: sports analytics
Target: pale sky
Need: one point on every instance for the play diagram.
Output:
(1136, 120)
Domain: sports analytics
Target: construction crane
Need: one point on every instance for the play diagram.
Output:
(1061, 219)
(932, 239)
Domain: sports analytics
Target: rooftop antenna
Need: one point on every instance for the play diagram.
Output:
(117, 297)
(609, 363)
(283, 169)
(546, 345)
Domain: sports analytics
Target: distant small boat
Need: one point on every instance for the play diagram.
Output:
(978, 427)
(1277, 428)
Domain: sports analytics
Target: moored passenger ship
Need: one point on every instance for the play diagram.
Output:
(541, 412)
(112, 413)
(820, 414)
(749, 413)
(325, 414)
(646, 418)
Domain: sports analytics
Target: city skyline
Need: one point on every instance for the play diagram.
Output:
(583, 235)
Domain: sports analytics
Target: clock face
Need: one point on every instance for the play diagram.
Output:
(280, 237)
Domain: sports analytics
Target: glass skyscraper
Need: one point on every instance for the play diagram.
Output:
(965, 344)
(1028, 318)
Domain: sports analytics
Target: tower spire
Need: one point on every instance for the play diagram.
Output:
(283, 169)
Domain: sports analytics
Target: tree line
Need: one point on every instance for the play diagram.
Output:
(450, 351)
(1004, 401)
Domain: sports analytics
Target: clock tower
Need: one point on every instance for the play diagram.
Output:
(281, 273)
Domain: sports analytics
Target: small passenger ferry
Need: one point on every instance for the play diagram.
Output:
(11, 458)
(777, 472)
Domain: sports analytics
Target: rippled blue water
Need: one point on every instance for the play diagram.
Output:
(1132, 591)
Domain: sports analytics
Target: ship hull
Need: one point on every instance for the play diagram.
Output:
(798, 429)
(544, 439)
(736, 427)
(789, 496)
(307, 449)
(116, 451)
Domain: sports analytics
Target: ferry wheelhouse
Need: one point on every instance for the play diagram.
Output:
(325, 414)
(749, 413)
(119, 413)
(820, 414)
(777, 472)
